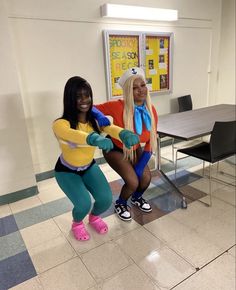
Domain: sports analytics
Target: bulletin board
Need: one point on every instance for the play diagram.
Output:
(152, 52)
(157, 53)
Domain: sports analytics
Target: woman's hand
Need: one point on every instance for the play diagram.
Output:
(101, 142)
(129, 138)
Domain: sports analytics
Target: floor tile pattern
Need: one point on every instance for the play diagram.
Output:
(169, 248)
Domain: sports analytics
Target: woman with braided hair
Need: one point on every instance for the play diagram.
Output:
(76, 171)
(135, 113)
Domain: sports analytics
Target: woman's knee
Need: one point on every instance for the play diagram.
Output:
(132, 184)
(106, 203)
(145, 180)
(103, 202)
(80, 210)
(84, 205)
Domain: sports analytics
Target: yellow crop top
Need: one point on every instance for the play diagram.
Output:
(82, 154)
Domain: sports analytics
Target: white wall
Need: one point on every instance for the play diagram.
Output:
(16, 166)
(56, 39)
(226, 71)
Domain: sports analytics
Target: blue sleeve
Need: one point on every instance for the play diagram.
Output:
(101, 119)
(143, 161)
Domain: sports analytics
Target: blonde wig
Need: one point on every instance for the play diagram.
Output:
(128, 117)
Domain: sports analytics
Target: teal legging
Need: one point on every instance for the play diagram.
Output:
(77, 189)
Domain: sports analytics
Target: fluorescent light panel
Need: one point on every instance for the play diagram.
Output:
(138, 12)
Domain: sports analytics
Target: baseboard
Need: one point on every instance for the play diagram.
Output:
(169, 142)
(44, 175)
(231, 160)
(100, 160)
(18, 195)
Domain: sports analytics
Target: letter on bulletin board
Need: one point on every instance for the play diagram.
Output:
(149, 51)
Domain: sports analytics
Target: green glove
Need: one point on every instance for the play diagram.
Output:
(103, 143)
(129, 138)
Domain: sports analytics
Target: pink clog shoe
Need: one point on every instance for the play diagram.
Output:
(80, 232)
(98, 224)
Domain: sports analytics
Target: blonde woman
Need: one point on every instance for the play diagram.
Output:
(136, 113)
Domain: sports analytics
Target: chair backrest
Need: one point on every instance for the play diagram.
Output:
(223, 140)
(185, 103)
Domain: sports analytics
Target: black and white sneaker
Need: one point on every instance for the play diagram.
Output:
(142, 204)
(123, 212)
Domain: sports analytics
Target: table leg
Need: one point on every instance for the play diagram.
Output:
(158, 153)
(183, 203)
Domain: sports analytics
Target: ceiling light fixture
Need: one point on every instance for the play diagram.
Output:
(138, 12)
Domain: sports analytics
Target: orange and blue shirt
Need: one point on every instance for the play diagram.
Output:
(115, 109)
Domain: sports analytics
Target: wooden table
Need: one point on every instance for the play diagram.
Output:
(190, 125)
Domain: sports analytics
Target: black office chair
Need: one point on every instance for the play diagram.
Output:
(222, 145)
(185, 103)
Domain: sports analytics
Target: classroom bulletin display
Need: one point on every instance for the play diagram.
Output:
(152, 52)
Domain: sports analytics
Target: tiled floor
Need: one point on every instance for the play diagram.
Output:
(169, 248)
